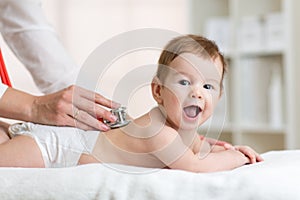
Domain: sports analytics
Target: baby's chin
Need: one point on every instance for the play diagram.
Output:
(195, 125)
(189, 126)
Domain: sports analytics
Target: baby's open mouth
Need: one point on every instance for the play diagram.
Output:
(192, 111)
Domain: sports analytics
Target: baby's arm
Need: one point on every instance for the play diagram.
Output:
(219, 161)
(176, 155)
(217, 146)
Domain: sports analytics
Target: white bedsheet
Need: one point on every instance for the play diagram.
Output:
(278, 177)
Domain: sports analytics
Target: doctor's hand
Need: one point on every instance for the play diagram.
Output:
(73, 106)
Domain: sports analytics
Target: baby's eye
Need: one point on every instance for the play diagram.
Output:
(184, 82)
(208, 86)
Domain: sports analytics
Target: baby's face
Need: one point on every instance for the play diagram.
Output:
(191, 90)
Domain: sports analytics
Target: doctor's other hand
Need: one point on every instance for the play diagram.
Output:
(73, 106)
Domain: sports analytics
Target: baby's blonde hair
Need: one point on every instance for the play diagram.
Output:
(194, 44)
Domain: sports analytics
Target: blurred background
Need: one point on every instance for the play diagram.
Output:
(258, 38)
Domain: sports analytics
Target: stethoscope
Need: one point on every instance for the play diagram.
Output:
(121, 121)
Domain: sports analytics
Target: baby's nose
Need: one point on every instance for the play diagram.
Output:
(197, 93)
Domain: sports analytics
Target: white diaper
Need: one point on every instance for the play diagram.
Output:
(60, 146)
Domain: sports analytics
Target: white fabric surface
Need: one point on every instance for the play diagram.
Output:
(28, 34)
(276, 178)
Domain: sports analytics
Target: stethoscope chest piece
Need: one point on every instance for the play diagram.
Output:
(121, 121)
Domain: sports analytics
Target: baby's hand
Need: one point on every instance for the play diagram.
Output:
(218, 144)
(238, 158)
(250, 153)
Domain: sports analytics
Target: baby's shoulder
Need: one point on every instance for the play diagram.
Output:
(167, 132)
(163, 137)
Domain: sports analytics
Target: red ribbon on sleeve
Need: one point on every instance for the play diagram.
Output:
(3, 72)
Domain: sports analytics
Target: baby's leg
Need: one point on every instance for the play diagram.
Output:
(20, 151)
(3, 132)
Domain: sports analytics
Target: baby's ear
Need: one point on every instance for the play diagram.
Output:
(156, 87)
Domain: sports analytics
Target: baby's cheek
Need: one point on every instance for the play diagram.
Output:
(180, 93)
(214, 99)
(174, 98)
(208, 112)
(210, 105)
(175, 101)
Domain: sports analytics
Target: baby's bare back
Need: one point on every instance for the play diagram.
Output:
(117, 147)
(131, 145)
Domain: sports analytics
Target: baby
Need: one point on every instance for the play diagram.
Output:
(186, 87)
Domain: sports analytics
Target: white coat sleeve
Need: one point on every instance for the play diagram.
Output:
(35, 43)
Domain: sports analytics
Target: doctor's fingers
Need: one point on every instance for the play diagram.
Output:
(93, 109)
(80, 119)
(86, 122)
(79, 92)
(70, 121)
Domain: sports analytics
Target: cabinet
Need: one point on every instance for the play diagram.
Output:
(259, 40)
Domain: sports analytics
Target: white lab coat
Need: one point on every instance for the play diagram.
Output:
(35, 43)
